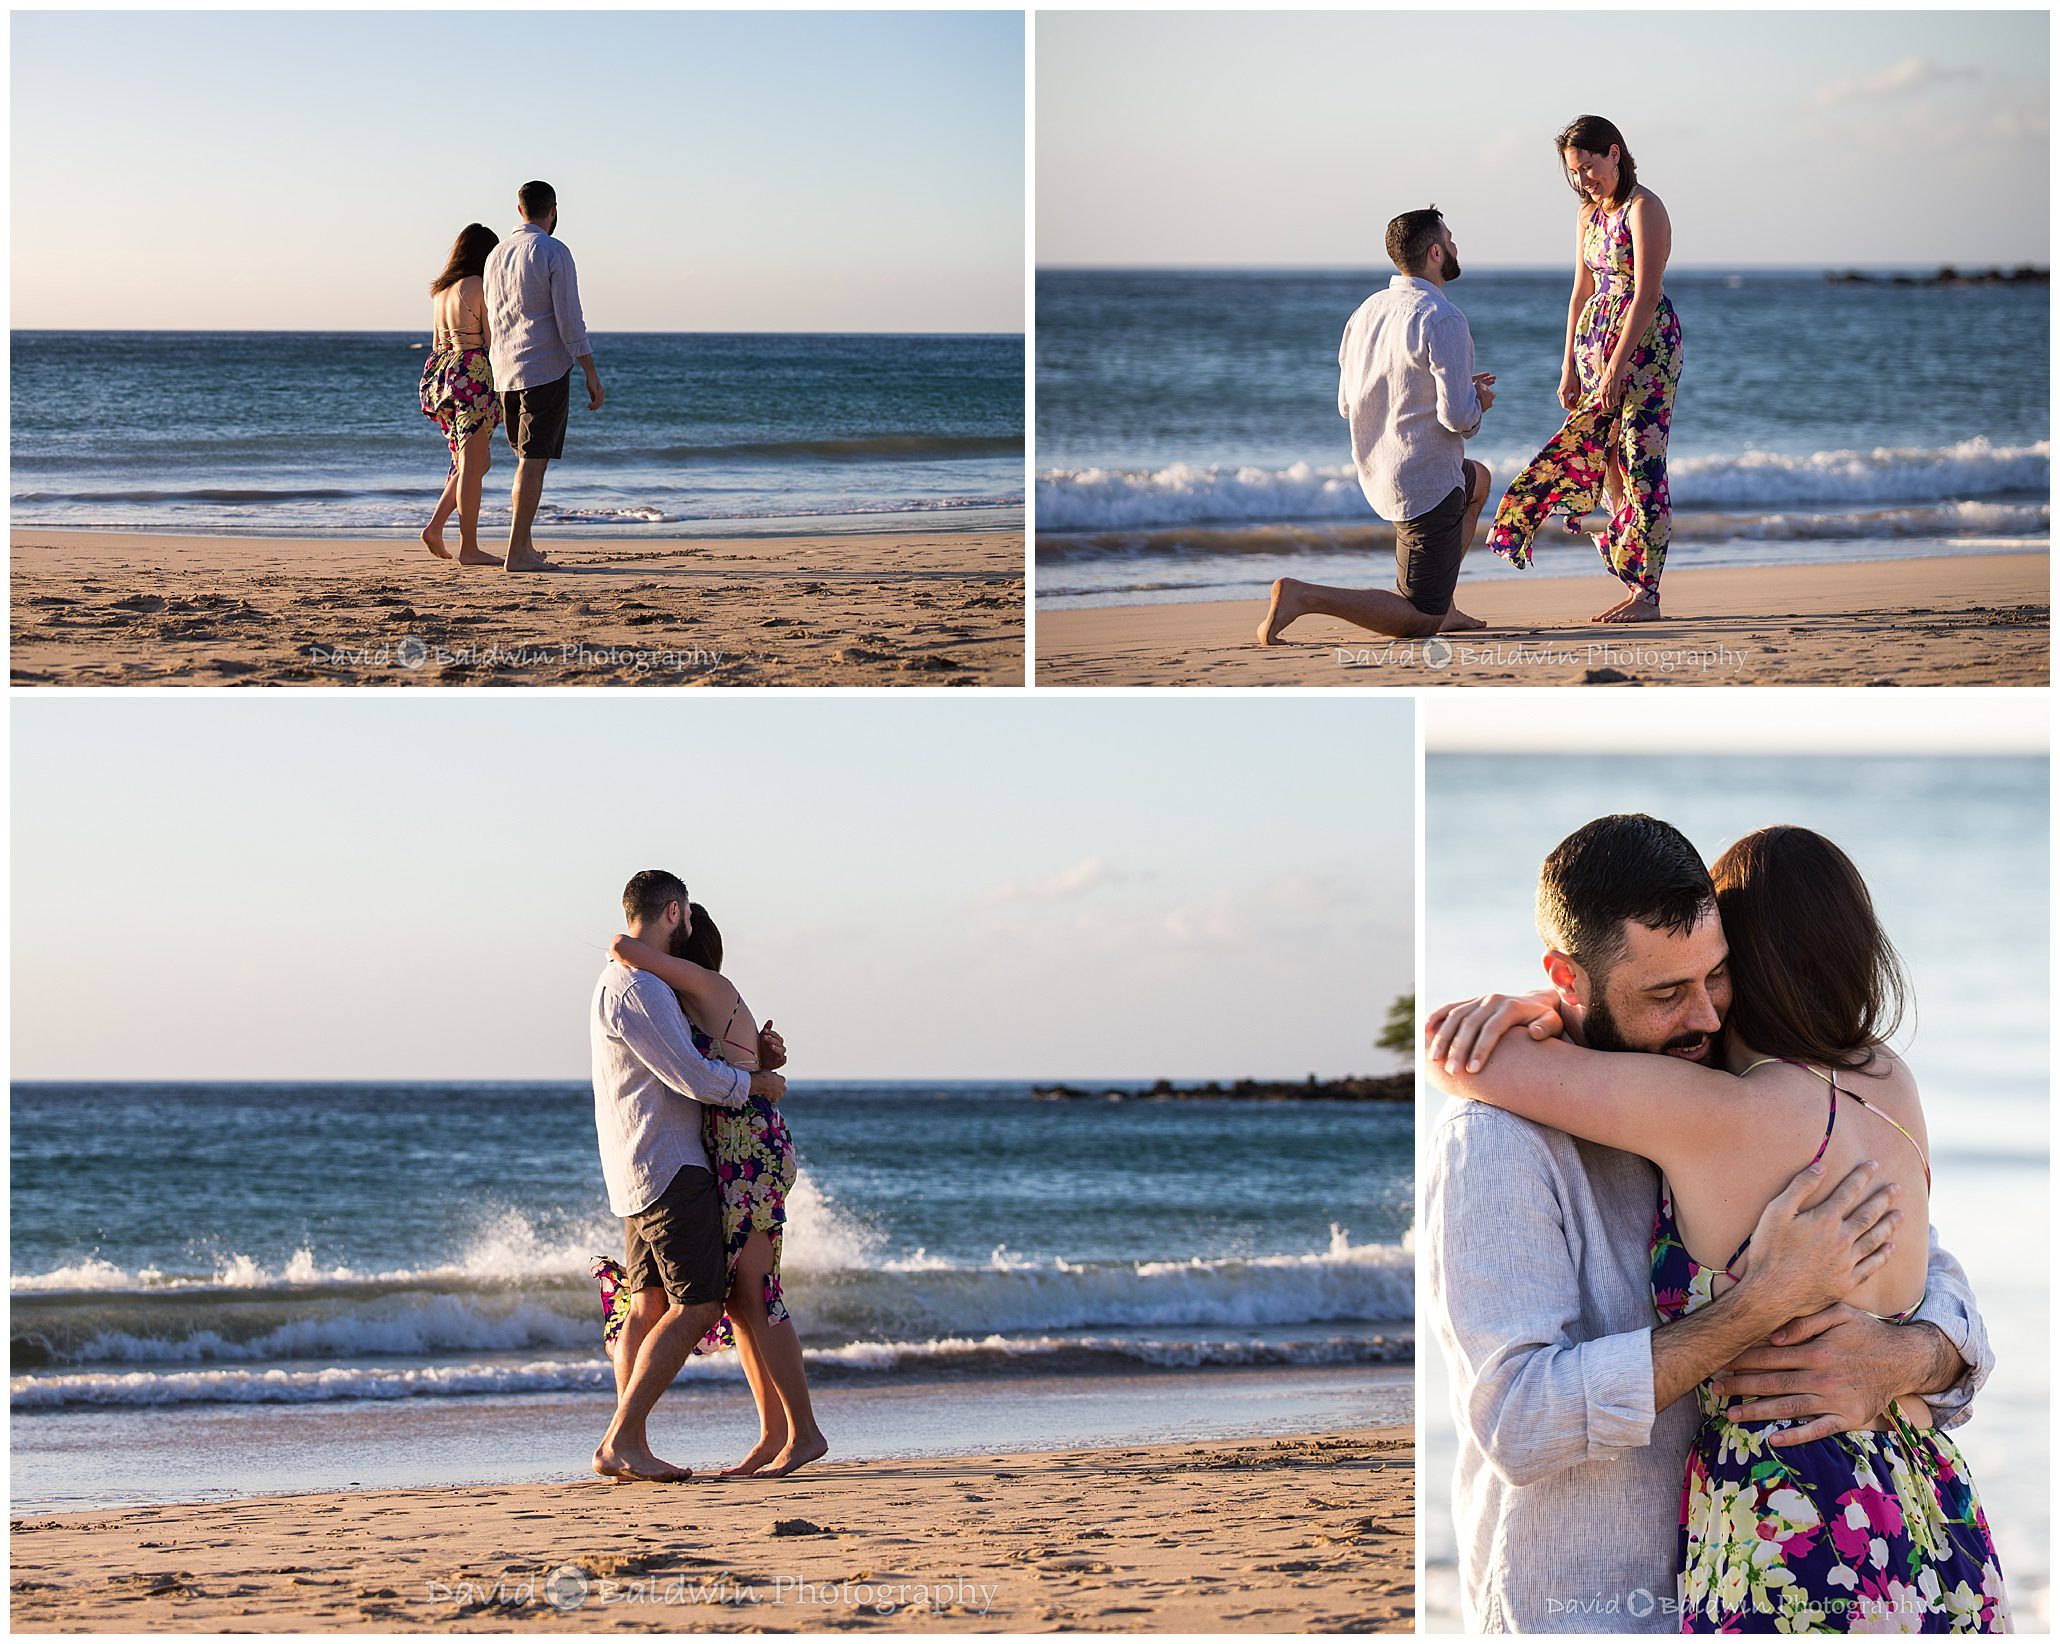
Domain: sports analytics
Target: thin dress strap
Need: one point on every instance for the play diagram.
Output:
(1830, 1124)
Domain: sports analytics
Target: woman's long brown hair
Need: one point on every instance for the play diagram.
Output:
(468, 256)
(1592, 134)
(1814, 977)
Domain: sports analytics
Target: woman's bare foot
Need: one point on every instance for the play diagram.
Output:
(765, 1451)
(1610, 615)
(638, 1466)
(477, 556)
(799, 1454)
(1636, 609)
(1282, 609)
(432, 539)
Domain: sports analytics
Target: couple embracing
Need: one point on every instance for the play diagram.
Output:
(1650, 1440)
(698, 1163)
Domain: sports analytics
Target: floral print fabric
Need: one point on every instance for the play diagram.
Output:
(753, 1156)
(1859, 1532)
(458, 393)
(1566, 477)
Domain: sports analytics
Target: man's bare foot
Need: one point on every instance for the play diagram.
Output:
(799, 1454)
(528, 560)
(477, 556)
(763, 1452)
(640, 1466)
(1457, 621)
(1636, 609)
(1282, 609)
(433, 541)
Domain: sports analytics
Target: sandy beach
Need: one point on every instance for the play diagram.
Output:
(94, 608)
(1974, 619)
(1266, 1535)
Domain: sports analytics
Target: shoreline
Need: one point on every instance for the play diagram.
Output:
(1311, 1533)
(885, 607)
(1977, 619)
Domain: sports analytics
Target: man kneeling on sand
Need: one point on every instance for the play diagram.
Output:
(1407, 384)
(649, 1084)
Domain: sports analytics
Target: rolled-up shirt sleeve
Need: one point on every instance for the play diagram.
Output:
(572, 325)
(1949, 1304)
(1450, 346)
(650, 1023)
(1505, 1297)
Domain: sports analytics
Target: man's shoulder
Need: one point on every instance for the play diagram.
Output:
(1477, 1127)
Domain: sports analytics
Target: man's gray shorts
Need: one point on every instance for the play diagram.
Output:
(1428, 549)
(535, 417)
(675, 1243)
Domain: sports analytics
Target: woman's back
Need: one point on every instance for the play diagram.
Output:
(458, 313)
(1785, 1114)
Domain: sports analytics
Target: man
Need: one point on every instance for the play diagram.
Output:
(649, 1085)
(1406, 382)
(1575, 1411)
(537, 336)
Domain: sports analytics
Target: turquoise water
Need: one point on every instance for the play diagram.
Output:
(1954, 852)
(1177, 412)
(181, 1250)
(294, 435)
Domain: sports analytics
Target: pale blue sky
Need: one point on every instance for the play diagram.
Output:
(1288, 139)
(279, 885)
(716, 171)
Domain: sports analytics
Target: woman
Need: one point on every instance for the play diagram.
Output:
(1831, 1534)
(1617, 378)
(458, 391)
(753, 1157)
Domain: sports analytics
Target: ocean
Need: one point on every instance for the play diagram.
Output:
(228, 1288)
(291, 434)
(1954, 852)
(1189, 446)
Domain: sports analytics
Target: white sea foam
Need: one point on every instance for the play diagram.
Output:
(1105, 499)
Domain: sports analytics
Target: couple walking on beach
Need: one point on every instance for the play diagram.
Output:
(698, 1163)
(506, 333)
(1653, 1443)
(1408, 386)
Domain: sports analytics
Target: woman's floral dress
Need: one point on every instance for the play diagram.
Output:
(457, 391)
(1566, 477)
(754, 1165)
(1860, 1532)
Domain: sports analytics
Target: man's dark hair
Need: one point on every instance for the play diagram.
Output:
(536, 200)
(1411, 236)
(1616, 870)
(646, 896)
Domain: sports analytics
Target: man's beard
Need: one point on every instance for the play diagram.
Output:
(676, 943)
(1599, 1030)
(1451, 268)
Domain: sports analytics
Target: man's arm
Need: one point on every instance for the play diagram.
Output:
(1450, 346)
(1505, 1297)
(651, 1024)
(572, 325)
(1950, 1309)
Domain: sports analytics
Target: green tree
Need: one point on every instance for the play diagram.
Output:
(1399, 1032)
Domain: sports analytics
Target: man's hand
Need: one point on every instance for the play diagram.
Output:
(1810, 1248)
(1466, 1032)
(1484, 388)
(772, 1049)
(772, 1086)
(1835, 1372)
(594, 394)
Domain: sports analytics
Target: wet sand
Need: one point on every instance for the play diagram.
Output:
(1309, 1534)
(94, 608)
(1975, 619)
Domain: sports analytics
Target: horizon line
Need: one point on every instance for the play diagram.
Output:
(1932, 266)
(395, 331)
(586, 1079)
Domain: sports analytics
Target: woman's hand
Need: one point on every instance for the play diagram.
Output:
(1616, 378)
(1465, 1033)
(1569, 386)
